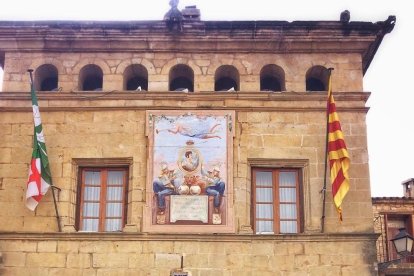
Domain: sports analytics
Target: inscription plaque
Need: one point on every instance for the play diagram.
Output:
(179, 273)
(189, 207)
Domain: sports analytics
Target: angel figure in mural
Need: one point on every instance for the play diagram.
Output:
(201, 130)
(215, 185)
(163, 186)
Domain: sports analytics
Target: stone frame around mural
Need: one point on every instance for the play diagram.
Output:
(189, 171)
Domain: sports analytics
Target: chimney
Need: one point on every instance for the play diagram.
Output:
(408, 187)
(191, 13)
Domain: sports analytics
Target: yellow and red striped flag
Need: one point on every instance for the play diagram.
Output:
(337, 154)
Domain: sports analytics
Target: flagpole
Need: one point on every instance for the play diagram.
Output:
(323, 191)
(51, 182)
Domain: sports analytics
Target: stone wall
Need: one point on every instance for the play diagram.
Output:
(109, 128)
(102, 254)
(76, 136)
(347, 75)
(79, 130)
(386, 207)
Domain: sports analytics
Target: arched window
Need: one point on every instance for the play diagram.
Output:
(181, 78)
(136, 78)
(226, 78)
(317, 78)
(46, 78)
(90, 78)
(272, 78)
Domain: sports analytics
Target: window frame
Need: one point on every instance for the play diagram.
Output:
(102, 196)
(276, 201)
(404, 217)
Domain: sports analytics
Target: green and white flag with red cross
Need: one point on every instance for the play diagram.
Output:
(39, 172)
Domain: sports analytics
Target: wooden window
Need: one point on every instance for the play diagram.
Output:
(102, 199)
(393, 222)
(276, 201)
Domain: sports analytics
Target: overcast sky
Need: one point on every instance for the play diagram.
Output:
(389, 78)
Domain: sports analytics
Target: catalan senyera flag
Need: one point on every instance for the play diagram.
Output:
(337, 155)
(39, 172)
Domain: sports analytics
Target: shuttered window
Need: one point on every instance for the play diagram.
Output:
(102, 197)
(276, 201)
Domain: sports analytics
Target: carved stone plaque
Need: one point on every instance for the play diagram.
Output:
(189, 207)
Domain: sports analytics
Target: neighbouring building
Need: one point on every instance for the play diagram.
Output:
(390, 215)
(185, 143)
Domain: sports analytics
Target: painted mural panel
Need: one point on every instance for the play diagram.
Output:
(189, 180)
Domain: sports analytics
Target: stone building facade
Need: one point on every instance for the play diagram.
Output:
(390, 215)
(101, 84)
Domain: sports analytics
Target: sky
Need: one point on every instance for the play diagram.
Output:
(390, 124)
